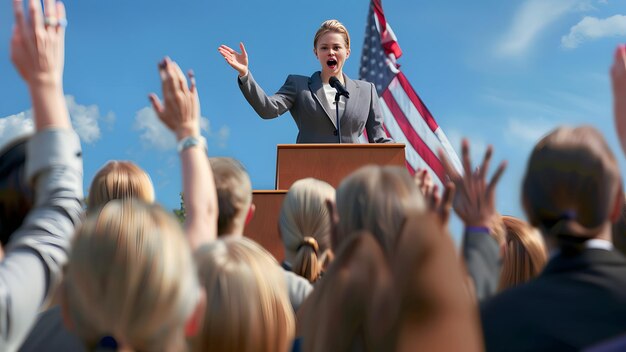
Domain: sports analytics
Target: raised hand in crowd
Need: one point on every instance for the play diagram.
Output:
(618, 78)
(180, 112)
(236, 60)
(37, 251)
(474, 203)
(438, 204)
(38, 53)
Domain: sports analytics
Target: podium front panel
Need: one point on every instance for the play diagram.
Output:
(263, 228)
(331, 162)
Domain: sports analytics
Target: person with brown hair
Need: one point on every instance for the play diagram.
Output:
(431, 314)
(304, 225)
(524, 253)
(247, 304)
(118, 180)
(572, 193)
(346, 311)
(310, 99)
(234, 194)
(377, 199)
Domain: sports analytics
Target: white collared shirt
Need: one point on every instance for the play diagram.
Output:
(330, 103)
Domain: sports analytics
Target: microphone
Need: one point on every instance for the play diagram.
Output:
(341, 90)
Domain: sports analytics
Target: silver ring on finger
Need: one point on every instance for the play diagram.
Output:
(50, 21)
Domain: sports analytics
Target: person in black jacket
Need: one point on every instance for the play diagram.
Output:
(572, 193)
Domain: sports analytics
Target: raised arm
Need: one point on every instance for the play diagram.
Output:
(474, 203)
(618, 78)
(267, 107)
(180, 112)
(37, 251)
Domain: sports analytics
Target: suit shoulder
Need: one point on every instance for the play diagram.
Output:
(362, 83)
(298, 78)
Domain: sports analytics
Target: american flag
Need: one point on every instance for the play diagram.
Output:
(406, 118)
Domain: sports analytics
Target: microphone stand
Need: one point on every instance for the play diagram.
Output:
(337, 96)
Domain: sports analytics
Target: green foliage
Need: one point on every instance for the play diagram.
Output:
(180, 213)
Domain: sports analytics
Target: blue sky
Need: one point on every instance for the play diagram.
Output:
(498, 72)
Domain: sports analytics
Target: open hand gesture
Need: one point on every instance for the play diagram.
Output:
(438, 204)
(236, 60)
(181, 112)
(474, 201)
(38, 44)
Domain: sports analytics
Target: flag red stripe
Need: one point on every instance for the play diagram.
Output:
(409, 167)
(411, 135)
(423, 110)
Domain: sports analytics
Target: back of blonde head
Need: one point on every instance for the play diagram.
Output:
(377, 199)
(304, 224)
(234, 192)
(119, 180)
(525, 253)
(131, 276)
(247, 304)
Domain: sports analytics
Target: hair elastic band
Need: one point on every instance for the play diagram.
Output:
(311, 242)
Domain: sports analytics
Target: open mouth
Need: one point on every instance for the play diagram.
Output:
(332, 64)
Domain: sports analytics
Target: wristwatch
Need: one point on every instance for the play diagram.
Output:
(191, 141)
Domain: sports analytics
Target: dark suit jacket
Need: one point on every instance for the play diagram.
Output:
(304, 96)
(575, 302)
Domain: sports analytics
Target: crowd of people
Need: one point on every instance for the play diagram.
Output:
(369, 266)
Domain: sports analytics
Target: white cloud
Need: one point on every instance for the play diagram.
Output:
(154, 134)
(526, 131)
(84, 119)
(590, 28)
(531, 19)
(15, 126)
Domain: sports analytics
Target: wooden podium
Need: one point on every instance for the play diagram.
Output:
(331, 162)
(327, 162)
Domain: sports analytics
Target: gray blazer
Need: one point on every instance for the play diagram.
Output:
(304, 96)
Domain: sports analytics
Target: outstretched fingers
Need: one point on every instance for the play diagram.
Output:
(465, 156)
(484, 167)
(447, 166)
(243, 49)
(496, 178)
(61, 17)
(18, 12)
(446, 201)
(156, 103)
(36, 17)
(50, 13)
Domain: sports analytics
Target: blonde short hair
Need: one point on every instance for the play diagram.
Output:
(305, 226)
(119, 180)
(332, 26)
(131, 275)
(234, 191)
(377, 199)
(247, 304)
